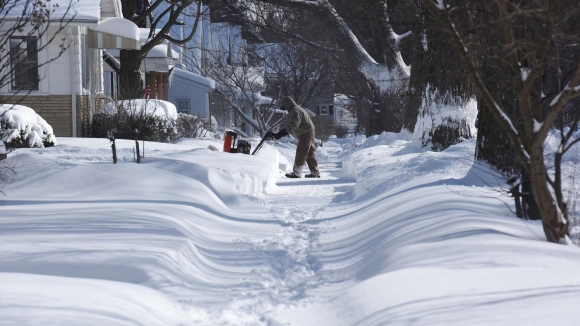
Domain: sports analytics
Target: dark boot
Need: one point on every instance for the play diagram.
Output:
(312, 175)
(292, 175)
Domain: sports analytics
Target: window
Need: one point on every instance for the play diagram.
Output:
(183, 106)
(317, 110)
(24, 63)
(331, 109)
(323, 109)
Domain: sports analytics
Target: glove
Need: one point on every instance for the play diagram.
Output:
(269, 135)
(281, 134)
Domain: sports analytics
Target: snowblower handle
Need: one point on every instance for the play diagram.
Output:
(255, 152)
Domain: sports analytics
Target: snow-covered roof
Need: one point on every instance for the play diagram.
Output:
(265, 100)
(84, 10)
(341, 99)
(160, 51)
(120, 27)
(157, 108)
(193, 77)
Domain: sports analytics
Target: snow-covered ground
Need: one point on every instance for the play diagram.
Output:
(390, 235)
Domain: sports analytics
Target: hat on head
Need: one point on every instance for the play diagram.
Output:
(287, 103)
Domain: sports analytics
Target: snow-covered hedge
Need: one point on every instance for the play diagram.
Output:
(154, 108)
(21, 127)
(151, 120)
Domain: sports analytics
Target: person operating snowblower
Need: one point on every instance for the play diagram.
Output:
(300, 126)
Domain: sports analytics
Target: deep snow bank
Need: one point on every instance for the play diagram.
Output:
(429, 239)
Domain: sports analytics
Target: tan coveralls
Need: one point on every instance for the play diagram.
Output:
(300, 126)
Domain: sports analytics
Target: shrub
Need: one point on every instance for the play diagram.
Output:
(138, 119)
(22, 127)
(324, 127)
(149, 128)
(190, 126)
(341, 131)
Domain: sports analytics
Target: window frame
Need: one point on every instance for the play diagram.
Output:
(188, 100)
(29, 85)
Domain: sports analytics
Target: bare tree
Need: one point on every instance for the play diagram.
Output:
(528, 38)
(276, 69)
(383, 72)
(293, 69)
(162, 15)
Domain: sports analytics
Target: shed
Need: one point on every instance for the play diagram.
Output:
(190, 92)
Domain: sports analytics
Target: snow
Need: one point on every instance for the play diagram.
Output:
(537, 125)
(120, 27)
(210, 83)
(454, 111)
(525, 72)
(84, 10)
(18, 121)
(160, 51)
(158, 108)
(391, 234)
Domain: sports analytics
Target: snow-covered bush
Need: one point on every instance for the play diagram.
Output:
(21, 127)
(190, 126)
(151, 120)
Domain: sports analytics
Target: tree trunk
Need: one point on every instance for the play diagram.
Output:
(555, 230)
(437, 80)
(130, 75)
(495, 148)
(114, 149)
(137, 152)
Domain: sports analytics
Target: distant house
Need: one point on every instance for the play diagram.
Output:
(190, 92)
(66, 90)
(335, 108)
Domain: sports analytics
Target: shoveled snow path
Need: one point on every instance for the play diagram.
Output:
(296, 203)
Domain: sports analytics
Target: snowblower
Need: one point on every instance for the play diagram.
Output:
(230, 138)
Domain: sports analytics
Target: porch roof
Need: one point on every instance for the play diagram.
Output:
(115, 33)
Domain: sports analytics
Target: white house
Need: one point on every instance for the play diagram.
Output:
(69, 85)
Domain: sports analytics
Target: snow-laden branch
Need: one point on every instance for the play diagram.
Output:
(238, 110)
(383, 76)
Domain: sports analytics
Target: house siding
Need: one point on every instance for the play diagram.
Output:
(59, 70)
(182, 88)
(55, 109)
